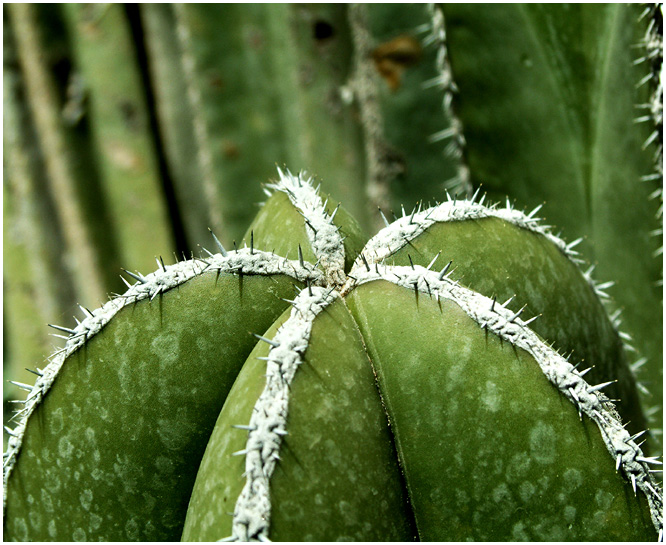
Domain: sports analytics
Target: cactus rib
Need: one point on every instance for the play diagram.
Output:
(147, 287)
(269, 417)
(563, 375)
(461, 183)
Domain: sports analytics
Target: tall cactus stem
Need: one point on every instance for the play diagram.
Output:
(57, 155)
(204, 156)
(364, 86)
(461, 183)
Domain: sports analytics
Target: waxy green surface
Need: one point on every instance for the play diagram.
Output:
(499, 259)
(113, 450)
(489, 448)
(337, 478)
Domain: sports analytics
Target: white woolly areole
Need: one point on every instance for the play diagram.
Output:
(244, 261)
(322, 233)
(269, 416)
(506, 325)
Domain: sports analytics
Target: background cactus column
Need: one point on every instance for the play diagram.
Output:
(553, 115)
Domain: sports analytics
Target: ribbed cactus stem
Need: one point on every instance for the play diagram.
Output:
(504, 323)
(204, 152)
(461, 183)
(57, 155)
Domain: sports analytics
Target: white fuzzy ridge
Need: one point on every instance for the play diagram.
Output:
(245, 260)
(406, 228)
(322, 232)
(505, 324)
(269, 418)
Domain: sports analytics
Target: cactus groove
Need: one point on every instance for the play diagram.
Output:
(335, 396)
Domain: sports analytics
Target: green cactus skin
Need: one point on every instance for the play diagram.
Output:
(547, 116)
(343, 430)
(506, 255)
(88, 426)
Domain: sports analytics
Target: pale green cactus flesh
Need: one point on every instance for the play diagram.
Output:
(158, 372)
(389, 402)
(480, 414)
(506, 255)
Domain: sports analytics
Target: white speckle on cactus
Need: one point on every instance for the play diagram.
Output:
(245, 261)
(502, 322)
(269, 417)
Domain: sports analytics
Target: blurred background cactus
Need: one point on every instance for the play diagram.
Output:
(130, 130)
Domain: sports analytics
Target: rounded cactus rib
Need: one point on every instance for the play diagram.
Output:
(296, 215)
(504, 253)
(318, 456)
(138, 388)
(472, 392)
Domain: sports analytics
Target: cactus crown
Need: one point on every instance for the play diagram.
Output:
(323, 283)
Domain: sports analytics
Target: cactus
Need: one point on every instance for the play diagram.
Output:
(130, 131)
(360, 413)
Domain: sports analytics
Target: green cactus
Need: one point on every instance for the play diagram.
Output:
(385, 401)
(394, 400)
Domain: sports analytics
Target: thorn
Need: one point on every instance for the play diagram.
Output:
(503, 305)
(528, 322)
(272, 343)
(443, 271)
(633, 483)
(600, 386)
(86, 311)
(533, 212)
(21, 385)
(517, 314)
(383, 217)
(635, 436)
(618, 461)
(492, 305)
(410, 261)
(411, 219)
(135, 276)
(35, 372)
(365, 262)
(65, 329)
(433, 261)
(584, 371)
(252, 242)
(574, 243)
(300, 256)
(239, 452)
(334, 212)
(649, 460)
(218, 243)
(11, 432)
(244, 427)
